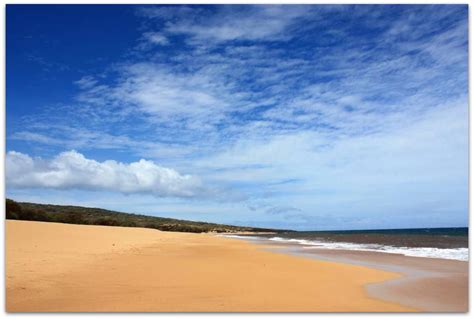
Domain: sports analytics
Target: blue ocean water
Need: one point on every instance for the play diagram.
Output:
(447, 243)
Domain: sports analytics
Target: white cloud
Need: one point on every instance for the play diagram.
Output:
(156, 91)
(390, 172)
(161, 91)
(251, 23)
(72, 170)
(156, 38)
(208, 100)
(86, 82)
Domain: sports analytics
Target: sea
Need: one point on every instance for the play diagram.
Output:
(444, 243)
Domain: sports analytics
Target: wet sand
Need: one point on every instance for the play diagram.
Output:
(60, 268)
(428, 284)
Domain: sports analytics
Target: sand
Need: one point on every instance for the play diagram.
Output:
(54, 267)
(428, 284)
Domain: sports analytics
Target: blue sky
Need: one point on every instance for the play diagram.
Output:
(301, 117)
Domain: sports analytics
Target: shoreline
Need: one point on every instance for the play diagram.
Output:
(75, 268)
(423, 283)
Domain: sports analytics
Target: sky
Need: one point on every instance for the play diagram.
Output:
(306, 117)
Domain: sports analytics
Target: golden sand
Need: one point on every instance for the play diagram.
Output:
(58, 267)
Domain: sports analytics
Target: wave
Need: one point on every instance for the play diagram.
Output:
(426, 252)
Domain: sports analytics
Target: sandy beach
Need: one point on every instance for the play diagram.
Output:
(59, 267)
(428, 284)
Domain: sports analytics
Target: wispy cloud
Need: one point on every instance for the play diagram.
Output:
(156, 38)
(362, 105)
(228, 22)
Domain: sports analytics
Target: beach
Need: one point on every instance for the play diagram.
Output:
(52, 267)
(428, 284)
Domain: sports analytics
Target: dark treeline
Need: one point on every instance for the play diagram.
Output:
(97, 216)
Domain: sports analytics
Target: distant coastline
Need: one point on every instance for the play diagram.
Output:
(97, 216)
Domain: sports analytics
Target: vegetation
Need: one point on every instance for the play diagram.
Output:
(97, 216)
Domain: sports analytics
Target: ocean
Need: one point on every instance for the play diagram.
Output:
(445, 243)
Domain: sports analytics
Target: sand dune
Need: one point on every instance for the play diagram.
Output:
(58, 267)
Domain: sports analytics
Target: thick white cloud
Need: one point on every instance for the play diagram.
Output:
(72, 170)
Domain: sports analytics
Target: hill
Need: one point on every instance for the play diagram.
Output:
(98, 216)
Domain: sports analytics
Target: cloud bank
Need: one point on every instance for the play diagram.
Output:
(71, 170)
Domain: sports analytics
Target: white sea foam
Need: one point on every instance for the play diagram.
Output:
(427, 252)
(240, 236)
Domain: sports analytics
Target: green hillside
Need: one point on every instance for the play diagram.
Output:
(98, 216)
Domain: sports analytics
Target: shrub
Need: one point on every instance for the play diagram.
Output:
(12, 209)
